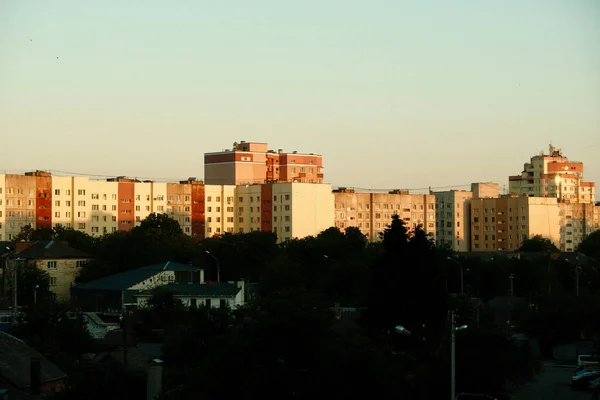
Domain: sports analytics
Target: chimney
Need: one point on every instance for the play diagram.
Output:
(154, 383)
(35, 376)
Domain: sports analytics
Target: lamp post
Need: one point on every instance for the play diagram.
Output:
(218, 266)
(453, 330)
(462, 276)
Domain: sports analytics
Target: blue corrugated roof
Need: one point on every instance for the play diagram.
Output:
(125, 280)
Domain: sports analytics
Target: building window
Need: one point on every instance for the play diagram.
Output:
(51, 264)
(53, 281)
(80, 263)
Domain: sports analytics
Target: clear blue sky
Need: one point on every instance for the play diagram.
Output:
(394, 94)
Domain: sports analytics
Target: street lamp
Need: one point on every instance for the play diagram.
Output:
(462, 276)
(218, 266)
(453, 330)
(402, 330)
(325, 256)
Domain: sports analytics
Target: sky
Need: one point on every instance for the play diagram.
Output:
(393, 94)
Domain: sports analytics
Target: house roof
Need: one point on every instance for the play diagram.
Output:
(51, 249)
(196, 289)
(124, 280)
(15, 359)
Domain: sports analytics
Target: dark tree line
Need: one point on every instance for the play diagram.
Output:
(288, 342)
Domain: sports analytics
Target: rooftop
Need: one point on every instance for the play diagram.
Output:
(125, 280)
(15, 358)
(51, 249)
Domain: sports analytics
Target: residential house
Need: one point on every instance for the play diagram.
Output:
(61, 261)
(112, 293)
(217, 295)
(16, 362)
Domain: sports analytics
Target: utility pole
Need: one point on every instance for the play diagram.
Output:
(577, 272)
(14, 292)
(452, 355)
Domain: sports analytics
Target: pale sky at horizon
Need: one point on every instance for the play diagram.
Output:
(394, 94)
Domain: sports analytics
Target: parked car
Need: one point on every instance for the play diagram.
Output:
(584, 379)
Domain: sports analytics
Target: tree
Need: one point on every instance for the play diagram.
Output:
(591, 245)
(28, 234)
(538, 243)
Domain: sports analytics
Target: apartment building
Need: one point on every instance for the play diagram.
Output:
(253, 163)
(453, 214)
(219, 206)
(553, 175)
(577, 221)
(372, 212)
(502, 224)
(94, 206)
(453, 228)
(291, 210)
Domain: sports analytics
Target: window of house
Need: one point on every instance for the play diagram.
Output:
(51, 264)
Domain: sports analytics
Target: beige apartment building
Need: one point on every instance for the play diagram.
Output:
(372, 212)
(249, 163)
(291, 210)
(502, 224)
(219, 207)
(453, 214)
(553, 175)
(577, 221)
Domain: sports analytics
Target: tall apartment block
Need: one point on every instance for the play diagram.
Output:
(252, 163)
(372, 212)
(577, 221)
(453, 214)
(553, 175)
(291, 210)
(93, 206)
(502, 224)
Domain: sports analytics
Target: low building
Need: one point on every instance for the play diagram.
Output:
(17, 359)
(217, 295)
(61, 261)
(110, 294)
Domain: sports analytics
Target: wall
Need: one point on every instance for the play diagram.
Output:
(453, 219)
(19, 203)
(219, 206)
(179, 205)
(65, 273)
(373, 212)
(43, 201)
(2, 208)
(198, 211)
(248, 208)
(126, 206)
(544, 218)
(302, 209)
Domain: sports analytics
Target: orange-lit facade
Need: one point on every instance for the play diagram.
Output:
(553, 175)
(96, 207)
(251, 163)
(372, 212)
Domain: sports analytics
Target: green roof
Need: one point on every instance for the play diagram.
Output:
(196, 289)
(125, 280)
